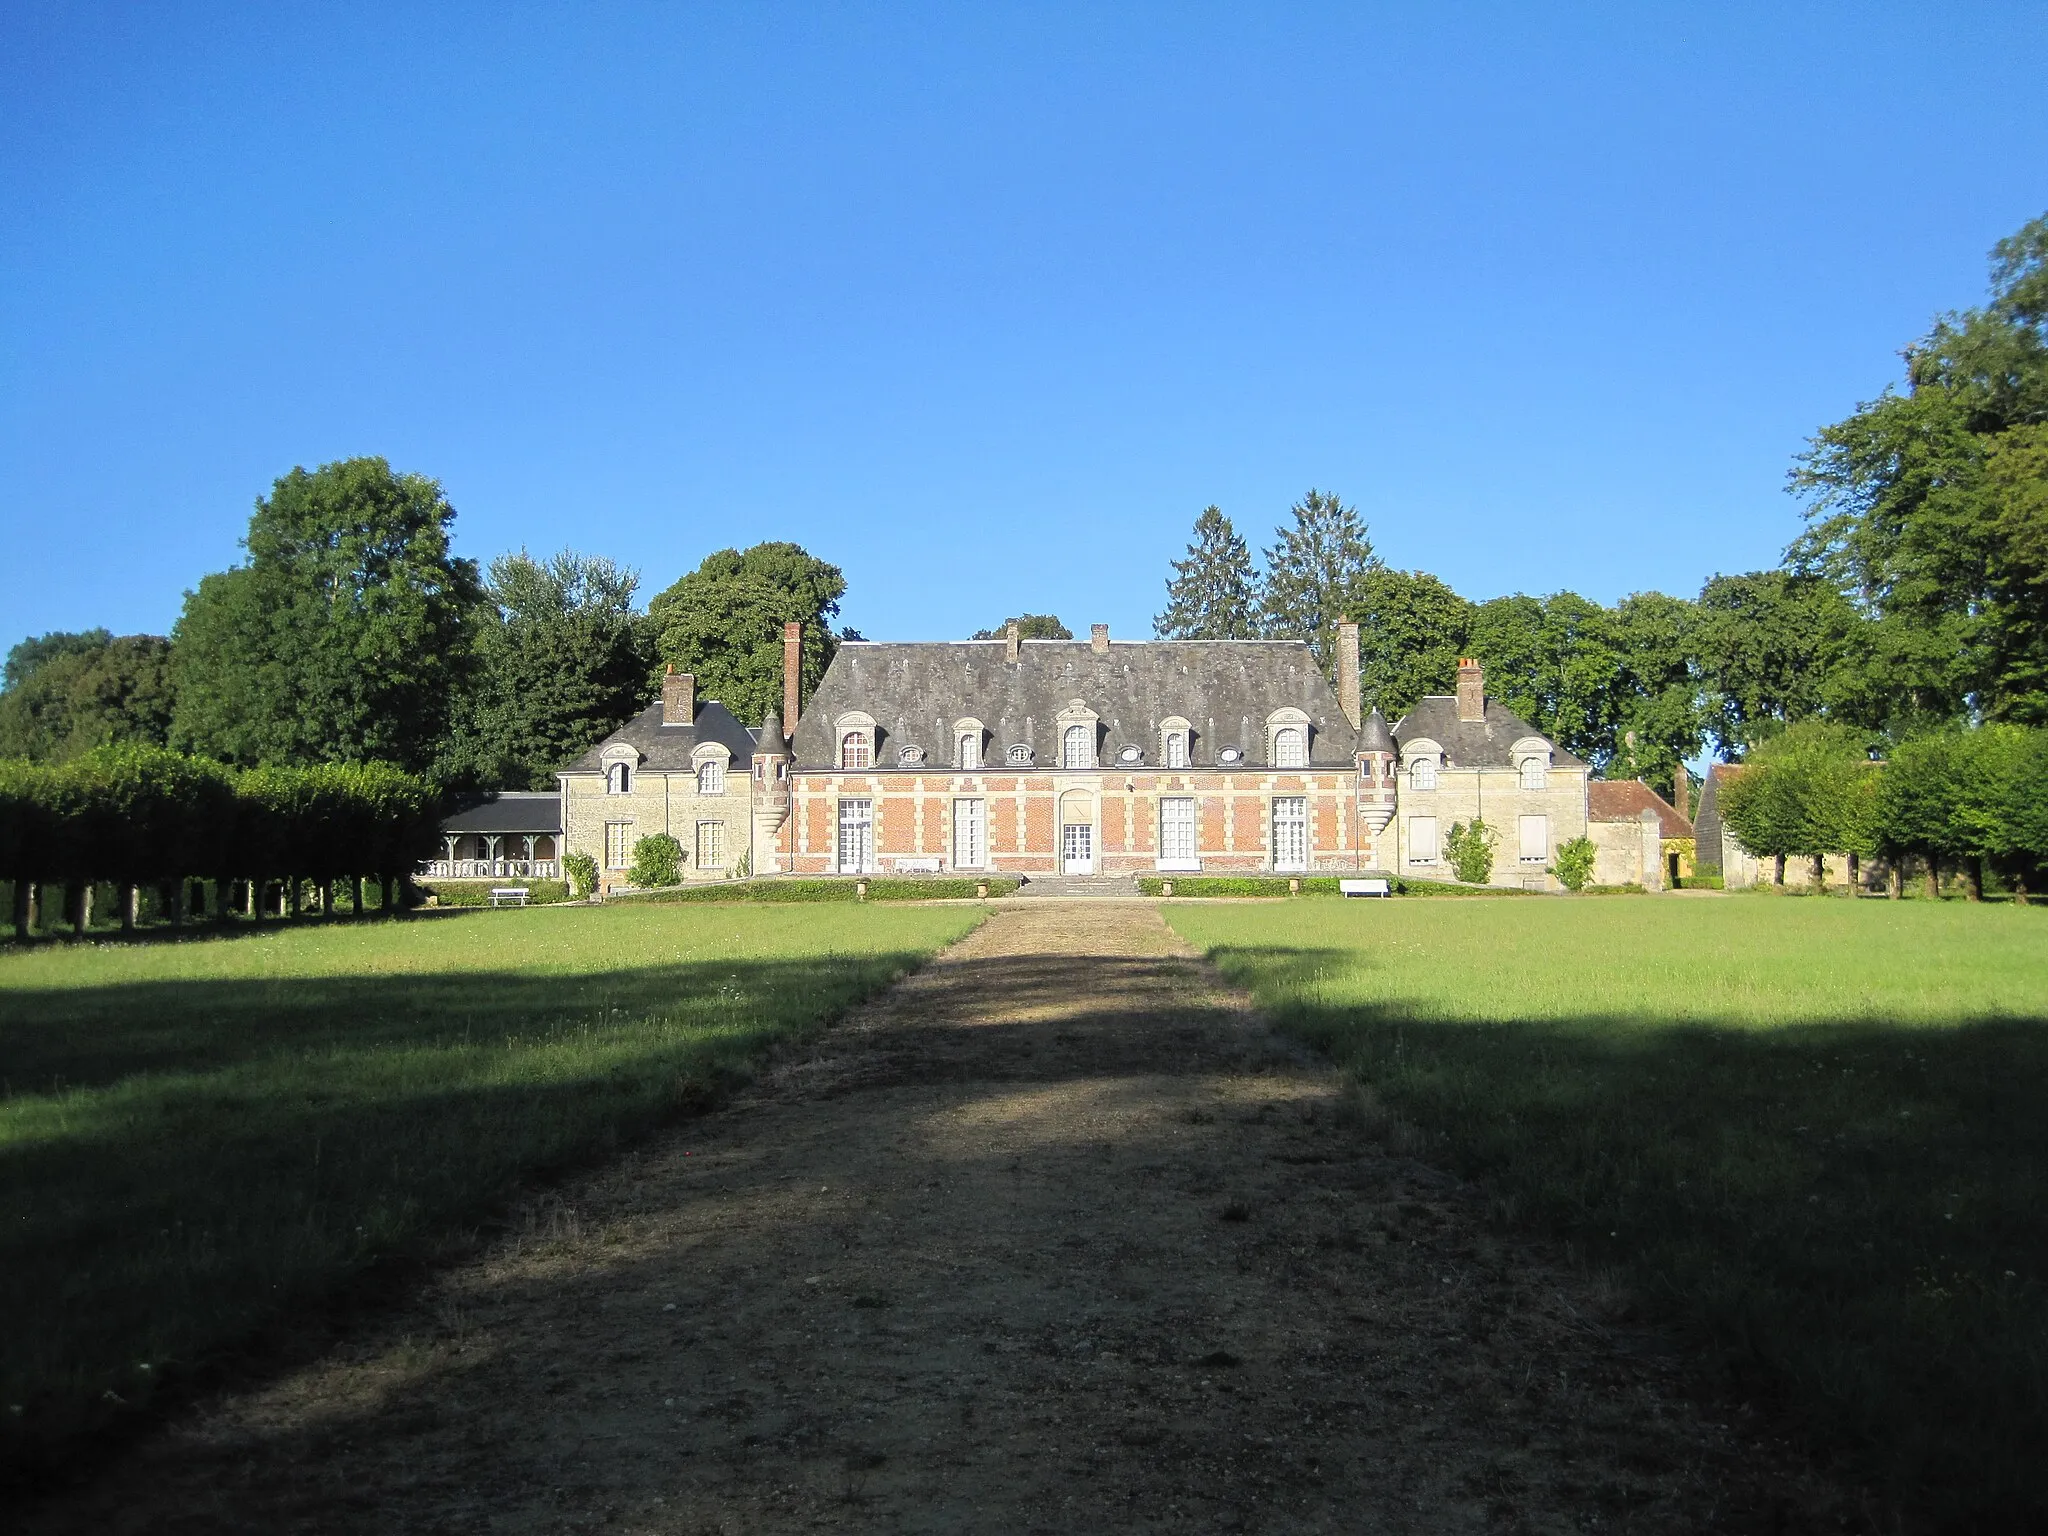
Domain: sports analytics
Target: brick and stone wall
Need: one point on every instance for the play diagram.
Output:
(1496, 796)
(656, 802)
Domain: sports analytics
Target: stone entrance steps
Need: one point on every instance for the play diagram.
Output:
(1077, 885)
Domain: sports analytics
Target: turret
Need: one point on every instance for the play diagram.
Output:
(771, 796)
(1378, 761)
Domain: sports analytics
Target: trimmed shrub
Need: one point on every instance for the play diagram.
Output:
(581, 869)
(477, 893)
(1469, 848)
(1311, 885)
(657, 861)
(1574, 866)
(837, 888)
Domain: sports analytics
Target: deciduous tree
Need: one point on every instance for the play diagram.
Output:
(92, 691)
(723, 622)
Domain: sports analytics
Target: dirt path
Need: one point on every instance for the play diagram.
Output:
(1054, 1237)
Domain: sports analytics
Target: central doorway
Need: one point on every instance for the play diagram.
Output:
(1077, 850)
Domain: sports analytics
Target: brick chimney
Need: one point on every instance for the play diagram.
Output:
(1471, 690)
(792, 673)
(1098, 639)
(678, 697)
(1012, 644)
(1681, 792)
(1347, 671)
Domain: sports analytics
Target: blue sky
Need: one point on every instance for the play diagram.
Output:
(983, 303)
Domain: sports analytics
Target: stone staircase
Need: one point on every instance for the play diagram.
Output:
(1077, 886)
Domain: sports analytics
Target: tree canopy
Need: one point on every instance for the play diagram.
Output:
(1030, 626)
(346, 635)
(723, 622)
(67, 694)
(561, 661)
(1213, 594)
(1310, 567)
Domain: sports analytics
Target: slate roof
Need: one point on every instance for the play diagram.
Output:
(513, 811)
(1626, 799)
(669, 746)
(1224, 689)
(1707, 822)
(1473, 743)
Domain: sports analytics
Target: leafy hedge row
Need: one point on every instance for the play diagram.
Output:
(135, 815)
(477, 893)
(1311, 885)
(841, 888)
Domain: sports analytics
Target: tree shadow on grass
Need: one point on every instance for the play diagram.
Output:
(1849, 1210)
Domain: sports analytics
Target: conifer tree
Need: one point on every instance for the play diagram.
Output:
(1310, 568)
(1213, 594)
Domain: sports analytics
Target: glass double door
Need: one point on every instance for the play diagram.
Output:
(1077, 849)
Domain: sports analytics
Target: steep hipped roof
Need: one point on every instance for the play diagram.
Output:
(669, 746)
(1474, 743)
(1224, 689)
(514, 811)
(1707, 821)
(1626, 799)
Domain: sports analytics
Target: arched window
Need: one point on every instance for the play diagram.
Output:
(711, 778)
(1176, 749)
(1422, 773)
(853, 750)
(618, 779)
(970, 749)
(1533, 773)
(1290, 747)
(1075, 748)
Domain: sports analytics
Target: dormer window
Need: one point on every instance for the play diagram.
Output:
(1230, 756)
(1290, 747)
(711, 778)
(855, 750)
(1020, 754)
(618, 779)
(909, 756)
(1422, 773)
(1176, 749)
(1076, 750)
(1131, 755)
(1534, 774)
(969, 754)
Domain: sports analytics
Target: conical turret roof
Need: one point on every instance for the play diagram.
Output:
(770, 741)
(1373, 736)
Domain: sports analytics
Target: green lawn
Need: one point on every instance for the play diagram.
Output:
(200, 1138)
(1815, 1131)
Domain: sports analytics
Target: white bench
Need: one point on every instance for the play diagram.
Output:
(1366, 887)
(926, 866)
(508, 895)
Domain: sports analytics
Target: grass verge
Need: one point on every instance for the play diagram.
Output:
(1813, 1131)
(201, 1139)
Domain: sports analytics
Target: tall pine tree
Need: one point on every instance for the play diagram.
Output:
(1310, 569)
(1213, 594)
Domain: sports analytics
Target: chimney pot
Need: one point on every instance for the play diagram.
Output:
(678, 697)
(1471, 690)
(1347, 671)
(1098, 639)
(792, 673)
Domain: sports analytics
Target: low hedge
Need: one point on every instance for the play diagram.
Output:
(477, 893)
(837, 888)
(1311, 885)
(1700, 883)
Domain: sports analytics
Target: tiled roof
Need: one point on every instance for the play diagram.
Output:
(1626, 799)
(1224, 689)
(669, 746)
(1474, 743)
(512, 811)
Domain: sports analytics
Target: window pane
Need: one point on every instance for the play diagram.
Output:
(853, 750)
(615, 845)
(970, 834)
(711, 845)
(1532, 773)
(1177, 750)
(1421, 839)
(1290, 748)
(1177, 828)
(1074, 751)
(1290, 833)
(711, 779)
(856, 836)
(1535, 839)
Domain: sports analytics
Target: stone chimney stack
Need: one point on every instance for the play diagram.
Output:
(1012, 644)
(792, 673)
(1347, 670)
(1471, 690)
(1098, 639)
(1681, 792)
(678, 697)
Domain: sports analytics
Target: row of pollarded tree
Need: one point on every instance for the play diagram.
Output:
(136, 817)
(1971, 800)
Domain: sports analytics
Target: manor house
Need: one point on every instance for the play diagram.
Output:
(1064, 759)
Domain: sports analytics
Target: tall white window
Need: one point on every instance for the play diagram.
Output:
(711, 778)
(1176, 749)
(1535, 838)
(1290, 832)
(970, 749)
(1422, 773)
(1177, 831)
(617, 834)
(1533, 774)
(1421, 839)
(854, 750)
(856, 836)
(711, 845)
(618, 779)
(970, 834)
(1076, 750)
(1290, 747)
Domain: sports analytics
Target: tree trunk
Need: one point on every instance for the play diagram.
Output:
(170, 895)
(223, 899)
(356, 889)
(290, 900)
(131, 898)
(36, 904)
(2019, 885)
(1895, 880)
(250, 901)
(386, 894)
(1778, 870)
(1820, 874)
(1855, 874)
(1973, 878)
(78, 898)
(24, 908)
